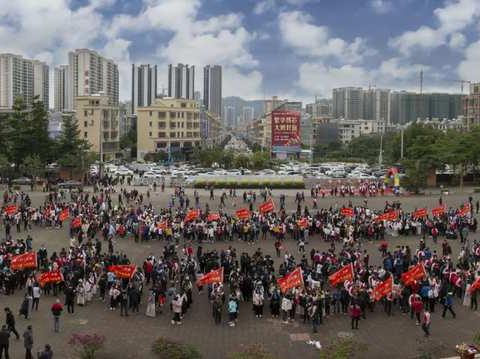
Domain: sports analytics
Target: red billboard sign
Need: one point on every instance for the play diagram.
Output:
(286, 131)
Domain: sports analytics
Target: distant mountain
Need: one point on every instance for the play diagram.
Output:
(239, 103)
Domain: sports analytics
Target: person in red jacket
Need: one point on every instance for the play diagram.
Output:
(355, 313)
(56, 309)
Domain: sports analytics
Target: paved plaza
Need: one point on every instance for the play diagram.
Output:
(132, 337)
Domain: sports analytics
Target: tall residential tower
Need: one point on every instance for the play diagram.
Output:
(144, 86)
(181, 81)
(212, 89)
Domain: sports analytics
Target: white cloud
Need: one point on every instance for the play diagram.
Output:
(264, 6)
(394, 68)
(469, 67)
(457, 41)
(247, 85)
(307, 39)
(381, 6)
(454, 17)
(320, 79)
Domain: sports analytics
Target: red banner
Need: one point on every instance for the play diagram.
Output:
(438, 211)
(286, 129)
(420, 213)
(383, 289)
(302, 223)
(347, 212)
(242, 213)
(192, 215)
(340, 276)
(291, 280)
(475, 285)
(414, 273)
(77, 222)
(214, 276)
(50, 277)
(389, 216)
(64, 215)
(11, 209)
(124, 271)
(267, 207)
(213, 217)
(24, 261)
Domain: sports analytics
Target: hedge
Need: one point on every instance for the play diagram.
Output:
(164, 348)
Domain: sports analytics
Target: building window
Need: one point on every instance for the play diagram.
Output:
(173, 125)
(85, 134)
(172, 135)
(85, 123)
(150, 112)
(150, 134)
(183, 105)
(162, 125)
(150, 124)
(85, 113)
(162, 114)
(162, 135)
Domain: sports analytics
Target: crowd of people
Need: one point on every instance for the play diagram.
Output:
(167, 281)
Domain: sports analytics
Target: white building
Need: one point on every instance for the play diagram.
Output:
(22, 77)
(349, 129)
(90, 74)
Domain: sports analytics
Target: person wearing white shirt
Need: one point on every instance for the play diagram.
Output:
(36, 293)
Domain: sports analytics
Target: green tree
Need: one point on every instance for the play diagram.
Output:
(241, 161)
(71, 148)
(129, 141)
(32, 166)
(260, 160)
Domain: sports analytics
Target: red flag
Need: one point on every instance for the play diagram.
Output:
(125, 271)
(475, 285)
(77, 222)
(64, 215)
(420, 213)
(242, 213)
(192, 215)
(291, 280)
(383, 289)
(438, 211)
(50, 277)
(213, 217)
(214, 276)
(340, 276)
(11, 209)
(302, 223)
(267, 206)
(414, 273)
(24, 261)
(162, 225)
(465, 210)
(347, 212)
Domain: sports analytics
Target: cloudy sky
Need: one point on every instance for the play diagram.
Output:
(291, 48)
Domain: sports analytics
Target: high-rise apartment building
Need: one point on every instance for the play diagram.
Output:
(90, 74)
(348, 103)
(41, 82)
(181, 81)
(212, 89)
(472, 106)
(24, 78)
(248, 114)
(411, 106)
(144, 86)
(63, 101)
(229, 116)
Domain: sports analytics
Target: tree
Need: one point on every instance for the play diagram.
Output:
(241, 161)
(72, 149)
(32, 166)
(129, 141)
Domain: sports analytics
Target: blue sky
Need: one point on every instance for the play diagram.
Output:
(291, 48)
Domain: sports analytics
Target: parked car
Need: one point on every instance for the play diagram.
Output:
(22, 181)
(70, 185)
